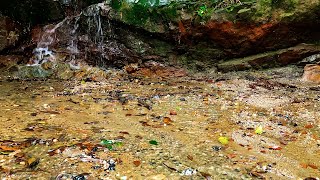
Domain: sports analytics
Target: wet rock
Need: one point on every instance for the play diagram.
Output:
(155, 69)
(313, 59)
(217, 148)
(40, 12)
(55, 70)
(189, 172)
(31, 72)
(272, 59)
(311, 73)
(111, 165)
(63, 71)
(9, 61)
(9, 32)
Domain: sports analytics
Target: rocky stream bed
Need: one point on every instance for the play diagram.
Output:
(239, 125)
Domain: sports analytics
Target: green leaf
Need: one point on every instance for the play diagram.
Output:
(259, 130)
(106, 142)
(244, 10)
(153, 142)
(109, 146)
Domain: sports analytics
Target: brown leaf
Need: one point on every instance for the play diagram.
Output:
(143, 123)
(190, 157)
(263, 151)
(275, 148)
(157, 126)
(309, 126)
(167, 120)
(303, 165)
(182, 29)
(7, 148)
(137, 163)
(230, 156)
(172, 112)
(313, 166)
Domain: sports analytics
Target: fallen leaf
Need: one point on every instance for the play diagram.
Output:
(308, 126)
(313, 166)
(275, 148)
(172, 112)
(259, 130)
(303, 165)
(167, 120)
(223, 140)
(7, 148)
(263, 151)
(190, 157)
(153, 142)
(230, 156)
(143, 123)
(137, 163)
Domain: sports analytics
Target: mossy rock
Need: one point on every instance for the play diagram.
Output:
(32, 72)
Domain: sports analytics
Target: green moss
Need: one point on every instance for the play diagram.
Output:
(287, 5)
(136, 14)
(168, 12)
(263, 8)
(116, 4)
(145, 12)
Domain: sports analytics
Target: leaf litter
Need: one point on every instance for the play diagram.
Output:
(207, 129)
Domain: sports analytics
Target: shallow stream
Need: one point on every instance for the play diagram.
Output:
(141, 128)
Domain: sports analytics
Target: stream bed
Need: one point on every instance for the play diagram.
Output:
(243, 125)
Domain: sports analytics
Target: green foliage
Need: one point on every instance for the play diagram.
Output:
(144, 11)
(202, 10)
(225, 5)
(137, 14)
(116, 4)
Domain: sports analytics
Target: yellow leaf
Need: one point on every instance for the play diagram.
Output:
(259, 130)
(223, 140)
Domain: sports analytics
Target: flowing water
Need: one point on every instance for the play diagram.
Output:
(133, 128)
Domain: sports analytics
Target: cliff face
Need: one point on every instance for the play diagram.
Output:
(193, 34)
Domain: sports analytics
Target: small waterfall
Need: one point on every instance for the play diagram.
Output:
(94, 22)
(64, 38)
(87, 38)
(66, 30)
(42, 53)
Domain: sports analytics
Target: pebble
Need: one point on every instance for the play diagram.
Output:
(189, 172)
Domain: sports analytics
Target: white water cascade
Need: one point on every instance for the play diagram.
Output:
(64, 36)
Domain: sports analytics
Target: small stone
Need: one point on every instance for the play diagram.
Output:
(216, 148)
(33, 114)
(188, 172)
